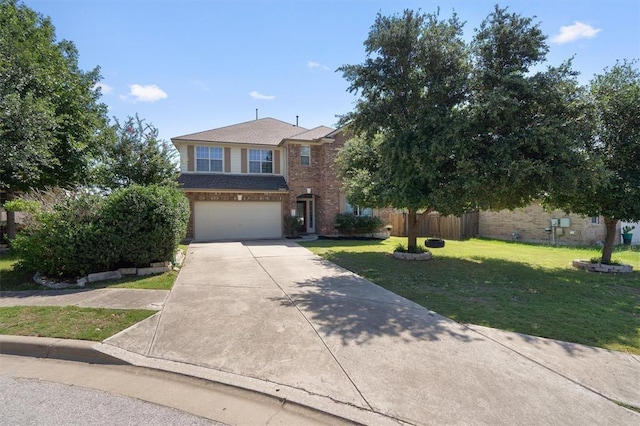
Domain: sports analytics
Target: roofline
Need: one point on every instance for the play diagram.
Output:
(336, 131)
(323, 139)
(233, 125)
(244, 191)
(244, 144)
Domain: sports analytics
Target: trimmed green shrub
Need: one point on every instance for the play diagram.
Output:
(401, 248)
(65, 240)
(146, 222)
(292, 225)
(350, 224)
(91, 233)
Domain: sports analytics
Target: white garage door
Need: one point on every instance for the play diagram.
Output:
(241, 220)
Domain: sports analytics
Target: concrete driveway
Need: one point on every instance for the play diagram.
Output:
(273, 317)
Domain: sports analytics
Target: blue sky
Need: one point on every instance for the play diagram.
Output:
(193, 65)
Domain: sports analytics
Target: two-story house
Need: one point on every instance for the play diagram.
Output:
(241, 180)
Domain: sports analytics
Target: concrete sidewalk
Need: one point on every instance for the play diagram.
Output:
(112, 298)
(273, 317)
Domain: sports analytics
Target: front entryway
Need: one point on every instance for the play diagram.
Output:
(305, 209)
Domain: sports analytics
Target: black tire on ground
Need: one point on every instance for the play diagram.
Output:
(434, 242)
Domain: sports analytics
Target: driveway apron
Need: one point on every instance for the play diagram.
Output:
(273, 311)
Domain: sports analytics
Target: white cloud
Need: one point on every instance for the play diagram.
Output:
(315, 65)
(105, 89)
(148, 93)
(575, 32)
(256, 95)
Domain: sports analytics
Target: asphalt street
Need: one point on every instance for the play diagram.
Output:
(37, 402)
(42, 391)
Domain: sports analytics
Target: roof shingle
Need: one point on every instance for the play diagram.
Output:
(265, 131)
(222, 181)
(313, 134)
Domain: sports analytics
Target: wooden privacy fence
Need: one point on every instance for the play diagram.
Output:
(438, 226)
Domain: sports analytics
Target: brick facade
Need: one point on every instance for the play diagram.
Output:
(321, 176)
(528, 224)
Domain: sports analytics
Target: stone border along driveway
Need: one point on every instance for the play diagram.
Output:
(152, 269)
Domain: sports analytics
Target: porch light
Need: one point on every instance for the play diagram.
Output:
(308, 190)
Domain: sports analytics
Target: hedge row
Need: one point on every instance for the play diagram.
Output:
(350, 224)
(91, 233)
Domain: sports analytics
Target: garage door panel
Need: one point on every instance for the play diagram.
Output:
(227, 220)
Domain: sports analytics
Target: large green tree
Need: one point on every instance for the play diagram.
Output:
(452, 127)
(50, 117)
(410, 85)
(523, 127)
(135, 155)
(610, 186)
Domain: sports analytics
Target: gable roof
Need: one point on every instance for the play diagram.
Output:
(265, 131)
(313, 134)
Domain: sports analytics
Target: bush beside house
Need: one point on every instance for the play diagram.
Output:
(91, 233)
(350, 224)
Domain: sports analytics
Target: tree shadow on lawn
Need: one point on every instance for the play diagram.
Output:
(563, 304)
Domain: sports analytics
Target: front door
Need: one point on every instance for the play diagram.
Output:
(305, 210)
(301, 212)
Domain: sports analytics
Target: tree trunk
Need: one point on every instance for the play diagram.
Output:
(412, 230)
(11, 218)
(609, 240)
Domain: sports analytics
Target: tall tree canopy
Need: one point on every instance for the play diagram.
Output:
(410, 85)
(448, 126)
(50, 117)
(524, 127)
(135, 155)
(611, 169)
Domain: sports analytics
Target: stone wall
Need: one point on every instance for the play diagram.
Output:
(528, 224)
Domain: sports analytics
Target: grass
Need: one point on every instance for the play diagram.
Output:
(152, 282)
(531, 289)
(15, 279)
(68, 322)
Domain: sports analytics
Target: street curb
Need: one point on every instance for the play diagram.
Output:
(88, 352)
(63, 349)
(323, 404)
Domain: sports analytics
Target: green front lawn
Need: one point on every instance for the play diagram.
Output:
(531, 289)
(68, 322)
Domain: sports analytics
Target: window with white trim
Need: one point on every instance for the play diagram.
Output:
(260, 161)
(209, 159)
(305, 155)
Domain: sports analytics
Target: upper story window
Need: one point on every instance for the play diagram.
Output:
(305, 155)
(260, 161)
(208, 159)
